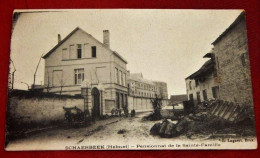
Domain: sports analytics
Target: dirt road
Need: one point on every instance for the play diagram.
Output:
(102, 132)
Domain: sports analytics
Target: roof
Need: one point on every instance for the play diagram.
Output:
(136, 75)
(178, 98)
(70, 34)
(238, 19)
(207, 67)
(139, 78)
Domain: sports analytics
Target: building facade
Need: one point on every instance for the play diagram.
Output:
(203, 84)
(226, 76)
(80, 60)
(162, 88)
(232, 63)
(141, 91)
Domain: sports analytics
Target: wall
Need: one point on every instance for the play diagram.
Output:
(139, 104)
(163, 90)
(206, 85)
(233, 65)
(41, 110)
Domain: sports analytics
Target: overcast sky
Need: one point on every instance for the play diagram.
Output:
(164, 45)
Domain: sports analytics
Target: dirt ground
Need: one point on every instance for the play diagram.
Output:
(100, 132)
(132, 131)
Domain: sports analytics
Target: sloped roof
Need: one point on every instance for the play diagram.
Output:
(70, 34)
(238, 19)
(178, 98)
(206, 68)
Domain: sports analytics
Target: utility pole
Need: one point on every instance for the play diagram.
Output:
(13, 74)
(34, 77)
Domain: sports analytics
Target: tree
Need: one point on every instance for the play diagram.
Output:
(62, 83)
(157, 106)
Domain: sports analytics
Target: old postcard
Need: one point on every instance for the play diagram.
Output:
(123, 79)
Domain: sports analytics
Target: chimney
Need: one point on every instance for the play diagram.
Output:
(59, 38)
(106, 38)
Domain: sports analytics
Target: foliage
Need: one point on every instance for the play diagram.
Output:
(157, 106)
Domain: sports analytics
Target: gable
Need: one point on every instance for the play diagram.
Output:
(89, 37)
(67, 52)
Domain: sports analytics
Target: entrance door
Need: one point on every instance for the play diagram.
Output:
(96, 103)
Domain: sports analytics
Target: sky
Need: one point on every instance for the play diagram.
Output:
(164, 45)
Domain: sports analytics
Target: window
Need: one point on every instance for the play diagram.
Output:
(85, 53)
(79, 51)
(124, 82)
(116, 75)
(191, 97)
(94, 51)
(198, 97)
(71, 54)
(79, 75)
(197, 82)
(64, 54)
(215, 92)
(123, 79)
(190, 85)
(57, 78)
(205, 95)
(119, 77)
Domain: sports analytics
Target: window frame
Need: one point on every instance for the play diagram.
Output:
(79, 51)
(93, 51)
(77, 73)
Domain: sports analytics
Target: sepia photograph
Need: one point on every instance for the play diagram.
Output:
(129, 79)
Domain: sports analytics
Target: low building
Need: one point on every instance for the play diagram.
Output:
(203, 84)
(177, 99)
(226, 75)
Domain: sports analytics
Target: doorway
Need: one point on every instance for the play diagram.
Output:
(96, 103)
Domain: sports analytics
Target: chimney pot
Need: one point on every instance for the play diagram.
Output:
(106, 40)
(59, 38)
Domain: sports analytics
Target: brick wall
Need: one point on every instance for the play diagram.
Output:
(233, 67)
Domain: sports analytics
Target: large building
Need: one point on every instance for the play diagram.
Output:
(80, 60)
(226, 75)
(141, 91)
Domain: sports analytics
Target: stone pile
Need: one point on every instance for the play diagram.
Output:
(207, 117)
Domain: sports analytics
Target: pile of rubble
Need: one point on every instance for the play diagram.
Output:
(208, 117)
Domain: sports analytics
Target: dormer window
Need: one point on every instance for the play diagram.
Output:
(79, 51)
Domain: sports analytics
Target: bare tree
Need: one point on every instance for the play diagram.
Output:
(62, 83)
(34, 76)
(48, 82)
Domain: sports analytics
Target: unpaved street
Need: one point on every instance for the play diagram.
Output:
(102, 132)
